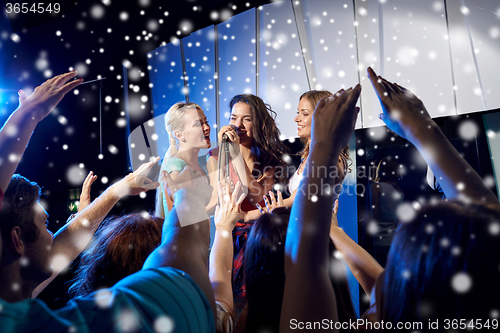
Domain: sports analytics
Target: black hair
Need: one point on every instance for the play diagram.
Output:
(267, 147)
(444, 265)
(19, 201)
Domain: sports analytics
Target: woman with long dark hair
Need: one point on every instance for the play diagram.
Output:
(257, 162)
(257, 150)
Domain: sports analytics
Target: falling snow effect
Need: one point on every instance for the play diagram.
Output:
(24, 261)
(59, 262)
(337, 270)
(401, 63)
(76, 175)
(103, 298)
(112, 149)
(128, 321)
(378, 133)
(494, 228)
(405, 212)
(372, 228)
(461, 283)
(82, 69)
(163, 324)
(42, 63)
(97, 12)
(124, 16)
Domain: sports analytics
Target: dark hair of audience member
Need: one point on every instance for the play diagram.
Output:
(19, 201)
(267, 147)
(444, 265)
(264, 272)
(120, 247)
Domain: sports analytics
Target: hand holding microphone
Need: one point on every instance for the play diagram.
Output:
(228, 136)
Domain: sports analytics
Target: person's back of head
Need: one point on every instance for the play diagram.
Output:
(444, 264)
(264, 274)
(119, 248)
(19, 201)
(264, 271)
(26, 241)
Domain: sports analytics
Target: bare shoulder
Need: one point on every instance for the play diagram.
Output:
(214, 152)
(211, 159)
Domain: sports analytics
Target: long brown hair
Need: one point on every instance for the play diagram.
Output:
(119, 248)
(314, 96)
(267, 148)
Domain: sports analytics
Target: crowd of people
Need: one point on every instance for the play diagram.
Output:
(274, 265)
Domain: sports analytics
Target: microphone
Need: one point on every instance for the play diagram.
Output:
(225, 137)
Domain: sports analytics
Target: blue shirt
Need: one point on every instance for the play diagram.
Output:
(153, 300)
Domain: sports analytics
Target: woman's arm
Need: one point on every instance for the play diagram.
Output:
(257, 188)
(362, 265)
(266, 184)
(213, 175)
(73, 237)
(288, 202)
(309, 294)
(16, 132)
(221, 255)
(186, 231)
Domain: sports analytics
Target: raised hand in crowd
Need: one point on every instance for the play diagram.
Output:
(85, 198)
(16, 133)
(186, 230)
(465, 220)
(309, 295)
(272, 203)
(406, 115)
(227, 213)
(73, 237)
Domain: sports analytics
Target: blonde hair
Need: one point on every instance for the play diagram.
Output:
(174, 121)
(313, 97)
